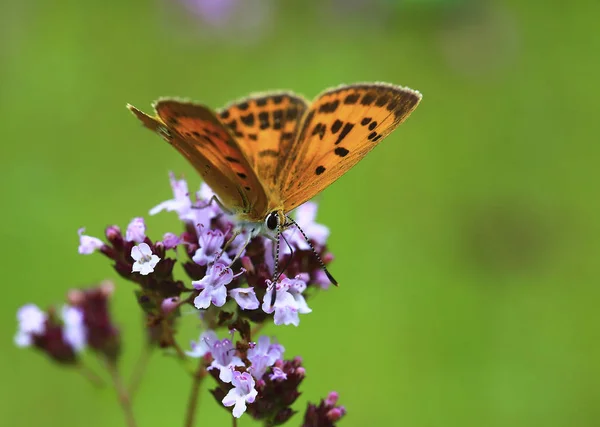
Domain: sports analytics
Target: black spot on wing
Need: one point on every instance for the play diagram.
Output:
(277, 119)
(319, 170)
(319, 129)
(232, 159)
(336, 126)
(382, 100)
(351, 98)
(341, 151)
(263, 119)
(345, 131)
(291, 113)
(248, 119)
(368, 98)
(329, 107)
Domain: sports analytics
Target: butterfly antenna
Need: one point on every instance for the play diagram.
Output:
(329, 276)
(276, 273)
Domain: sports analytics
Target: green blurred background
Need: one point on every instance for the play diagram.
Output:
(466, 245)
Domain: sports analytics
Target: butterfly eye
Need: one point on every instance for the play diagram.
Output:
(272, 220)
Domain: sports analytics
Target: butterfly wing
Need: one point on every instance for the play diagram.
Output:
(341, 127)
(265, 126)
(200, 137)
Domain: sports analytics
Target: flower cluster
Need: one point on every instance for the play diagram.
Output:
(257, 373)
(221, 266)
(85, 321)
(230, 284)
(325, 414)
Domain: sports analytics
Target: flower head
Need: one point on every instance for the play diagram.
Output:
(170, 304)
(278, 392)
(171, 240)
(180, 202)
(32, 321)
(224, 359)
(74, 330)
(243, 391)
(325, 414)
(203, 345)
(145, 260)
(263, 355)
(211, 245)
(88, 244)
(213, 286)
(93, 313)
(59, 340)
(245, 297)
(278, 374)
(289, 301)
(136, 230)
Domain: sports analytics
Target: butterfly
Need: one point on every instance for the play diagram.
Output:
(266, 154)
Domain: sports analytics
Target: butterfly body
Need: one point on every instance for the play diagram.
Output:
(267, 154)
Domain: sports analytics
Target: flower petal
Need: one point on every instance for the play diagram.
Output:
(231, 397)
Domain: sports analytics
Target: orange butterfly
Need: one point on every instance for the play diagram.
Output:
(269, 153)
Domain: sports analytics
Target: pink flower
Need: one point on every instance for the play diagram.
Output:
(243, 391)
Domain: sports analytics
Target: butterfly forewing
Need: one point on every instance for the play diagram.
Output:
(265, 127)
(199, 136)
(339, 129)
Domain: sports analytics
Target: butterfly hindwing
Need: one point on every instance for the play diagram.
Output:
(200, 137)
(340, 128)
(265, 127)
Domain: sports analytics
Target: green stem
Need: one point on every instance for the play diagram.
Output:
(195, 394)
(122, 393)
(139, 370)
(90, 375)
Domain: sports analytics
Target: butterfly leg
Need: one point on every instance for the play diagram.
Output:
(246, 243)
(227, 243)
(235, 234)
(212, 200)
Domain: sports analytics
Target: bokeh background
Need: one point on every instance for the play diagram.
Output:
(467, 244)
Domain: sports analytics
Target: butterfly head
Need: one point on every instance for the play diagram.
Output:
(275, 220)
